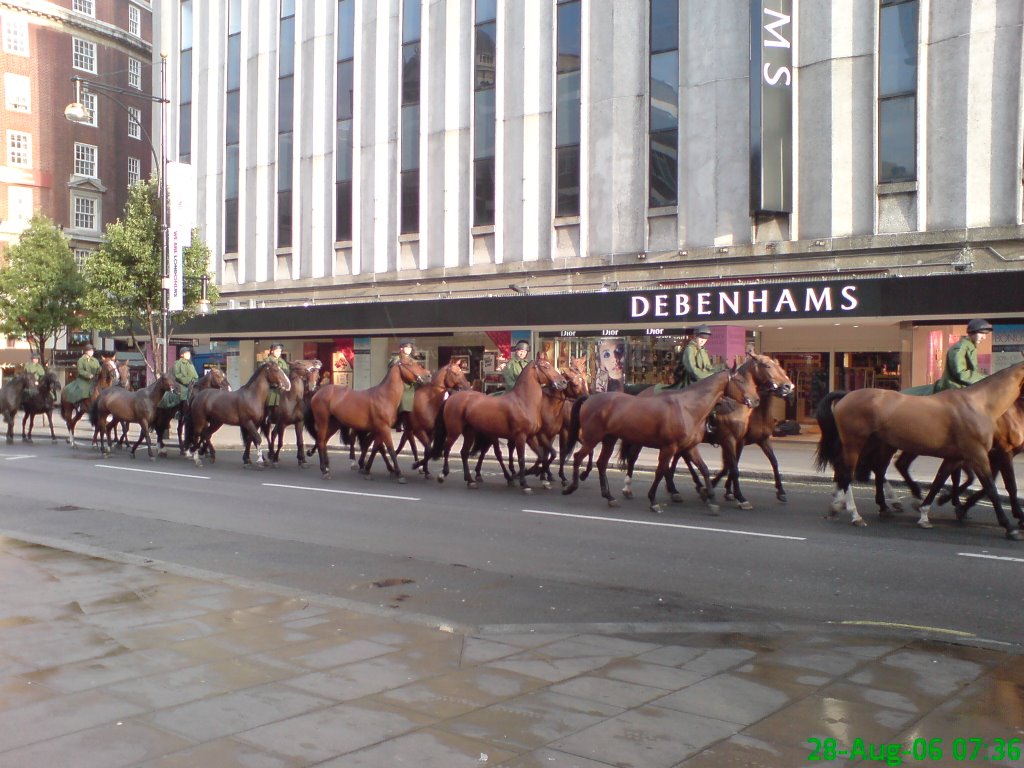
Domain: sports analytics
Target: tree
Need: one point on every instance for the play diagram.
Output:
(124, 278)
(41, 288)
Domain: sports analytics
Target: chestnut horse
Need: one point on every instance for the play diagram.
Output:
(371, 410)
(41, 403)
(481, 421)
(73, 412)
(212, 408)
(11, 395)
(214, 378)
(556, 412)
(956, 425)
(425, 405)
(672, 421)
(118, 405)
(290, 411)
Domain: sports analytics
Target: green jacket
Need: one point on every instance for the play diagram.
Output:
(696, 364)
(35, 368)
(185, 372)
(88, 367)
(512, 370)
(961, 366)
(408, 394)
(274, 395)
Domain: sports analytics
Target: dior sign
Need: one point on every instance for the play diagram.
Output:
(775, 303)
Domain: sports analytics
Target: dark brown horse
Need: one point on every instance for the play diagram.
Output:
(123, 381)
(955, 425)
(118, 405)
(214, 378)
(555, 413)
(11, 395)
(41, 403)
(672, 421)
(371, 410)
(73, 412)
(482, 421)
(212, 408)
(290, 411)
(425, 405)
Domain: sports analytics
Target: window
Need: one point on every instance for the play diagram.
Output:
(343, 124)
(19, 204)
(19, 149)
(663, 112)
(134, 170)
(897, 91)
(85, 160)
(185, 84)
(17, 92)
(81, 256)
(409, 193)
(90, 102)
(567, 110)
(134, 21)
(484, 115)
(84, 212)
(84, 6)
(15, 35)
(232, 116)
(285, 120)
(84, 55)
(134, 122)
(135, 73)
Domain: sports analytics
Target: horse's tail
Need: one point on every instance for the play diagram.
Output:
(308, 418)
(574, 424)
(480, 444)
(94, 414)
(829, 452)
(440, 433)
(627, 455)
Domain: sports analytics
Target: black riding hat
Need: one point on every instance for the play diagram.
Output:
(523, 345)
(979, 326)
(702, 330)
(183, 350)
(276, 345)
(88, 347)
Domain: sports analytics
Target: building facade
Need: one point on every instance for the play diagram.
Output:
(396, 152)
(76, 174)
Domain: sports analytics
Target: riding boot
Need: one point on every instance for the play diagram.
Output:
(711, 426)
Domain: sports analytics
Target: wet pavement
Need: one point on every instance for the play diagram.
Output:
(112, 661)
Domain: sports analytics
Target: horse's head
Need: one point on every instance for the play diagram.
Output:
(30, 380)
(576, 379)
(306, 371)
(453, 377)
(742, 387)
(167, 382)
(275, 376)
(547, 375)
(411, 371)
(50, 383)
(769, 375)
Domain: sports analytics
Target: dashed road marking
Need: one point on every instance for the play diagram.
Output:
(666, 525)
(151, 472)
(16, 458)
(896, 625)
(346, 493)
(992, 557)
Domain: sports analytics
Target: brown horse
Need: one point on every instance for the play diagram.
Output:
(482, 421)
(11, 395)
(214, 378)
(371, 410)
(73, 412)
(671, 421)
(555, 414)
(956, 425)
(425, 405)
(118, 405)
(123, 381)
(290, 411)
(41, 403)
(212, 408)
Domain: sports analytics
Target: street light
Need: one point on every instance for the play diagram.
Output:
(77, 112)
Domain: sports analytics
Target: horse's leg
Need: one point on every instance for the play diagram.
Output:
(27, 438)
(607, 446)
(665, 456)
(987, 482)
(769, 452)
(468, 438)
(731, 459)
(902, 464)
(585, 450)
(521, 456)
(388, 449)
(945, 470)
(144, 429)
(631, 456)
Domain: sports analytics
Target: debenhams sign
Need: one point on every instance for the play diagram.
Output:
(775, 302)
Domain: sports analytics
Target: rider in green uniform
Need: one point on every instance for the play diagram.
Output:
(36, 369)
(962, 367)
(405, 348)
(88, 367)
(274, 395)
(515, 366)
(184, 373)
(696, 363)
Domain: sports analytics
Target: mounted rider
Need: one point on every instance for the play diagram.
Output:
(515, 366)
(185, 375)
(38, 370)
(696, 363)
(87, 369)
(405, 349)
(962, 367)
(273, 395)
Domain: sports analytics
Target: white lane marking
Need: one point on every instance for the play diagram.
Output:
(665, 525)
(16, 458)
(992, 557)
(347, 493)
(151, 471)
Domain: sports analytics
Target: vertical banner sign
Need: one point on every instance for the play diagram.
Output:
(771, 106)
(181, 219)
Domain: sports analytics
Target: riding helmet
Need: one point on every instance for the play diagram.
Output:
(523, 345)
(702, 330)
(88, 347)
(406, 343)
(979, 326)
(277, 345)
(183, 350)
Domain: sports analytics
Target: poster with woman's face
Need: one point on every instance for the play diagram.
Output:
(610, 353)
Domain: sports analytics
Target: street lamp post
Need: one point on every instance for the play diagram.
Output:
(76, 112)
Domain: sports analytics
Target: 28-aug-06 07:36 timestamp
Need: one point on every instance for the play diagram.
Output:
(961, 749)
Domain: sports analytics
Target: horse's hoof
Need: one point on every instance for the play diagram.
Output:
(714, 510)
(613, 502)
(326, 475)
(859, 523)
(354, 465)
(440, 478)
(924, 524)
(152, 458)
(365, 475)
(781, 497)
(657, 508)
(916, 504)
(471, 485)
(677, 498)
(627, 494)
(527, 489)
(402, 480)
(1013, 535)
(745, 505)
(546, 485)
(961, 513)
(729, 496)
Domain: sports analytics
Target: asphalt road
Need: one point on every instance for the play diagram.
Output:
(496, 556)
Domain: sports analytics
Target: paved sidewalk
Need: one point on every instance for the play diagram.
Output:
(113, 663)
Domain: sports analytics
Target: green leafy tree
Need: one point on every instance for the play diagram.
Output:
(124, 277)
(41, 288)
